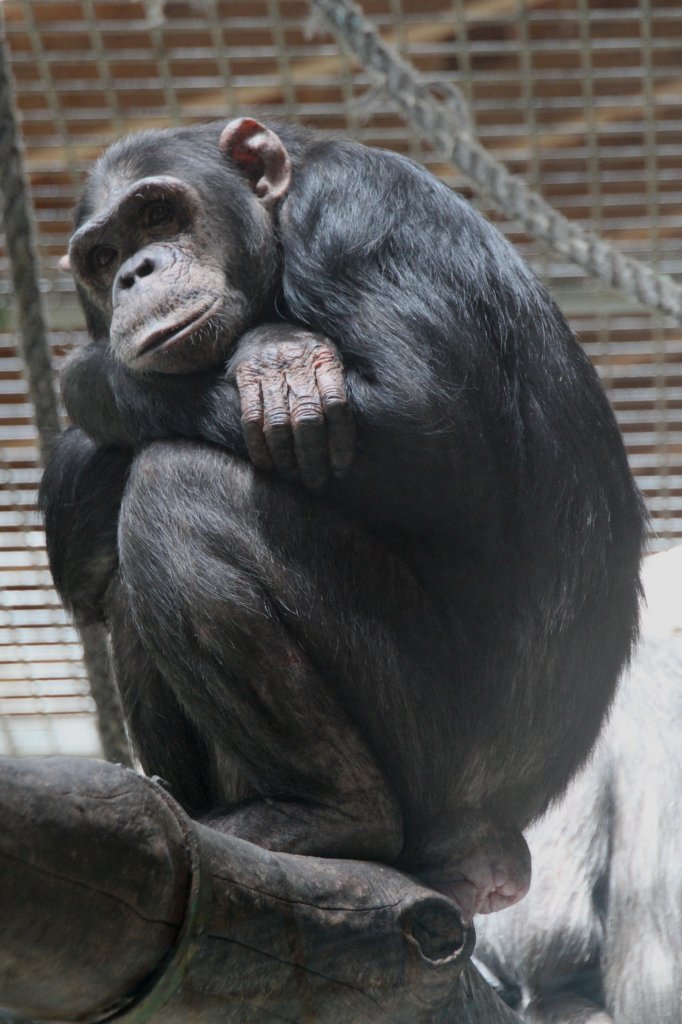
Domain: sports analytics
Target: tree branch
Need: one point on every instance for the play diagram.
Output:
(115, 906)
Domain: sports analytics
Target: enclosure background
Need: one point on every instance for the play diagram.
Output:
(581, 97)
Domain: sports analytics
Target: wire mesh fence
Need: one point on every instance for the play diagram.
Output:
(580, 97)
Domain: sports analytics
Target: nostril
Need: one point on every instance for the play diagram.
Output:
(131, 274)
(146, 267)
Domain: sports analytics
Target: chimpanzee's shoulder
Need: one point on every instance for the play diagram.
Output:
(349, 157)
(387, 191)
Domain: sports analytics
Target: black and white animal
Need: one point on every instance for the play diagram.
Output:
(597, 940)
(348, 495)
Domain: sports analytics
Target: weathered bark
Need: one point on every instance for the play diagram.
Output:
(104, 908)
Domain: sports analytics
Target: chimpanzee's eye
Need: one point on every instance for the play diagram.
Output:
(101, 257)
(158, 213)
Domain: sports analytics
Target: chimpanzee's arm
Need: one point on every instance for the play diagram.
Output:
(80, 496)
(282, 400)
(288, 401)
(116, 407)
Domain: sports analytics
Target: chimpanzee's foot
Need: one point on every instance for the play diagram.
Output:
(492, 875)
(313, 829)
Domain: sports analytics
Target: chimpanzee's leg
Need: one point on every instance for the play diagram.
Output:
(207, 588)
(305, 652)
(164, 738)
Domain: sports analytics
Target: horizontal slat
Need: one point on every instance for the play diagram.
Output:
(33, 539)
(23, 651)
(27, 578)
(33, 705)
(46, 677)
(33, 598)
(27, 618)
(38, 635)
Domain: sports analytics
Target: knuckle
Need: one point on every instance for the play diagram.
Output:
(252, 415)
(307, 415)
(276, 423)
(335, 406)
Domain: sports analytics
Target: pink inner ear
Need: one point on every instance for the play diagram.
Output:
(260, 155)
(245, 158)
(236, 143)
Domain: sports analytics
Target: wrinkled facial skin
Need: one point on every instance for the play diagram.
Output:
(151, 266)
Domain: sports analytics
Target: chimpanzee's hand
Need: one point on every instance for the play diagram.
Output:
(295, 413)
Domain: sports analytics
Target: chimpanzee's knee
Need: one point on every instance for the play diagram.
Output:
(187, 529)
(191, 475)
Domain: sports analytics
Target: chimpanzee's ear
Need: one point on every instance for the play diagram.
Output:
(260, 155)
(65, 263)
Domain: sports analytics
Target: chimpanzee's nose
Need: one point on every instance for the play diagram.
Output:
(142, 264)
(141, 268)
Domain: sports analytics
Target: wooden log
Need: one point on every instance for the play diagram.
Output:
(115, 906)
(94, 872)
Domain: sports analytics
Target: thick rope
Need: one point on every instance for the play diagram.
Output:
(445, 130)
(22, 250)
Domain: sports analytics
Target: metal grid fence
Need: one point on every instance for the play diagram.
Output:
(581, 97)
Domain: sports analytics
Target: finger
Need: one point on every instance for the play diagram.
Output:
(277, 425)
(331, 386)
(341, 436)
(251, 399)
(308, 427)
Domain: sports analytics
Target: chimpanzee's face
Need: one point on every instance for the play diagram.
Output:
(146, 260)
(174, 254)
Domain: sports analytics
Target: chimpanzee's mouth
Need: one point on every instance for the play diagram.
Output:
(168, 337)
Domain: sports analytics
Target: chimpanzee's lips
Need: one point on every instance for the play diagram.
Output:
(167, 337)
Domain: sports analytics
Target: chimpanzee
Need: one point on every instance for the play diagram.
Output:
(598, 939)
(402, 645)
